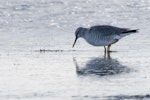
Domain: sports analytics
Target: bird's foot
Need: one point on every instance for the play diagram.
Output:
(111, 51)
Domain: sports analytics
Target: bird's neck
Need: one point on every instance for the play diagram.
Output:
(85, 34)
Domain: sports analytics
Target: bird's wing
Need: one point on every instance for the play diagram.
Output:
(106, 30)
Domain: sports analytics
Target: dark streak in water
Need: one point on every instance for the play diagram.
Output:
(87, 97)
(30, 95)
(129, 97)
(44, 50)
(22, 7)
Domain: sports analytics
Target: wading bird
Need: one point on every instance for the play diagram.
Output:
(102, 35)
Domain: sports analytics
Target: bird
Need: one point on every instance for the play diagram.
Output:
(102, 35)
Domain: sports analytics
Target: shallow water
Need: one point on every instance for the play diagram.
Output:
(37, 60)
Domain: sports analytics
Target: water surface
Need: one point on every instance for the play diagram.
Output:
(37, 60)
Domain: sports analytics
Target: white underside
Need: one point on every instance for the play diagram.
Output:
(102, 43)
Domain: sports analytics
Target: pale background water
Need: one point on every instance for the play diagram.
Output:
(66, 73)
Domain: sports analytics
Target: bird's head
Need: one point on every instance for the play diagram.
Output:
(79, 33)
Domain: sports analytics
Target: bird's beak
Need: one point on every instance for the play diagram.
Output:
(74, 42)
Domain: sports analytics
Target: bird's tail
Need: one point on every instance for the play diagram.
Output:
(130, 31)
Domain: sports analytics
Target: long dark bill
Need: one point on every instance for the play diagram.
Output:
(74, 42)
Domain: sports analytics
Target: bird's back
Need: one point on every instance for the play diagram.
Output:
(106, 30)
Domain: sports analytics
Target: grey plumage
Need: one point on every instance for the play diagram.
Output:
(107, 30)
(102, 35)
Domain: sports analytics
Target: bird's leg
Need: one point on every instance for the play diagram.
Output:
(108, 55)
(108, 48)
(104, 49)
(105, 53)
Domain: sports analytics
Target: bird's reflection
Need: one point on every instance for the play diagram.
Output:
(101, 66)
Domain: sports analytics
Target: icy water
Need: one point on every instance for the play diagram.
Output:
(37, 61)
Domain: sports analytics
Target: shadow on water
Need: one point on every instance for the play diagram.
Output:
(101, 66)
(130, 97)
